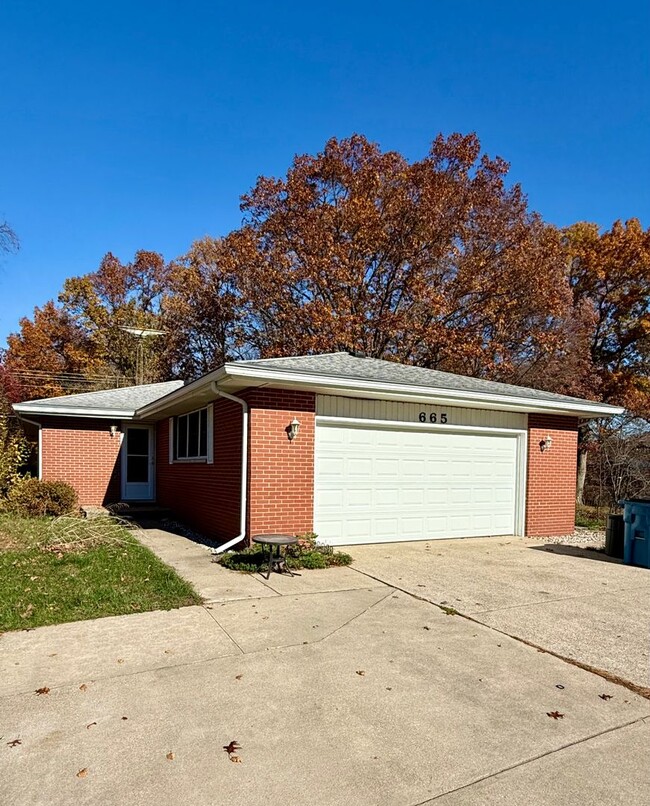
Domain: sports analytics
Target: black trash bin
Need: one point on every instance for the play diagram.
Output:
(615, 536)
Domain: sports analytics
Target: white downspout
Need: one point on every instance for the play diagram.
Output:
(244, 468)
(40, 442)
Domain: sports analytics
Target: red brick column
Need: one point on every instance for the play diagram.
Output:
(551, 478)
(83, 453)
(280, 471)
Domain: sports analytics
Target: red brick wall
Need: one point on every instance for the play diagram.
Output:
(205, 496)
(83, 453)
(551, 481)
(280, 472)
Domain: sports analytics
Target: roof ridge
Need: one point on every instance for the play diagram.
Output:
(287, 357)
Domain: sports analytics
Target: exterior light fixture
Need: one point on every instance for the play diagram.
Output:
(114, 430)
(292, 429)
(545, 444)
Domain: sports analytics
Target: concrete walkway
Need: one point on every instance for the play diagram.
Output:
(217, 584)
(343, 691)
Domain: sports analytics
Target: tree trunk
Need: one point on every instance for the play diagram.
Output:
(582, 475)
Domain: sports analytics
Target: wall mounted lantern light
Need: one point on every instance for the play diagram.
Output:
(545, 444)
(292, 429)
(114, 430)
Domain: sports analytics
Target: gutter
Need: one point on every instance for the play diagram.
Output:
(244, 469)
(69, 411)
(357, 387)
(40, 441)
(474, 399)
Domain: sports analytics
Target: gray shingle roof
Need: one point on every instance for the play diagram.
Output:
(344, 365)
(125, 399)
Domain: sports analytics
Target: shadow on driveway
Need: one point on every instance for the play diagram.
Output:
(586, 552)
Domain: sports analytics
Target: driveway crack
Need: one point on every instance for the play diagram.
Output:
(223, 629)
(530, 760)
(642, 691)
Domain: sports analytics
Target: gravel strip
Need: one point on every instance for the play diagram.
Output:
(580, 537)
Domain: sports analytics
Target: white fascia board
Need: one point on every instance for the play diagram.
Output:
(68, 411)
(326, 384)
(333, 385)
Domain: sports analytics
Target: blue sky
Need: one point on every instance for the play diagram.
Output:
(128, 125)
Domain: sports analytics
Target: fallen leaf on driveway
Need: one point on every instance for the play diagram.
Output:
(90, 724)
(238, 676)
(232, 747)
(559, 685)
(83, 687)
(120, 660)
(43, 690)
(14, 743)
(361, 673)
(555, 714)
(170, 756)
(426, 628)
(605, 696)
(236, 759)
(82, 773)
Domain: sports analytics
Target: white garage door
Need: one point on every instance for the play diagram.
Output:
(388, 484)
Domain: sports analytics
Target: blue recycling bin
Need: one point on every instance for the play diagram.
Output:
(636, 541)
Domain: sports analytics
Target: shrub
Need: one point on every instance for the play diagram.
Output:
(304, 554)
(33, 498)
(14, 451)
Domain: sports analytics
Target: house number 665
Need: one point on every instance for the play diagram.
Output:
(433, 417)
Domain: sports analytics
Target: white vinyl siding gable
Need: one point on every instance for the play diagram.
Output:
(395, 411)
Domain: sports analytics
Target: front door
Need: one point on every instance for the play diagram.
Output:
(138, 463)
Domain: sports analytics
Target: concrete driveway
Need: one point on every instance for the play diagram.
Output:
(339, 688)
(570, 600)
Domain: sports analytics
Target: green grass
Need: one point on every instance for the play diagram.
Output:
(40, 586)
(594, 518)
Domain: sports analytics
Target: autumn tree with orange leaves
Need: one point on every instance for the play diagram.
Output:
(436, 262)
(78, 342)
(609, 275)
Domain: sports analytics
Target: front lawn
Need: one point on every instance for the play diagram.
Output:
(66, 570)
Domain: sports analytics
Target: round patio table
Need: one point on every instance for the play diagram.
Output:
(276, 560)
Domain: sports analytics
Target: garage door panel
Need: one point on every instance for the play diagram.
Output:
(413, 467)
(386, 527)
(386, 484)
(482, 495)
(503, 496)
(412, 497)
(357, 468)
(332, 499)
(436, 524)
(461, 496)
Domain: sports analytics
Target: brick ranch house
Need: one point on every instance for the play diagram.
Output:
(358, 450)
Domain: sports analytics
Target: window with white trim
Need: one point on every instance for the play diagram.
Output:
(191, 435)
